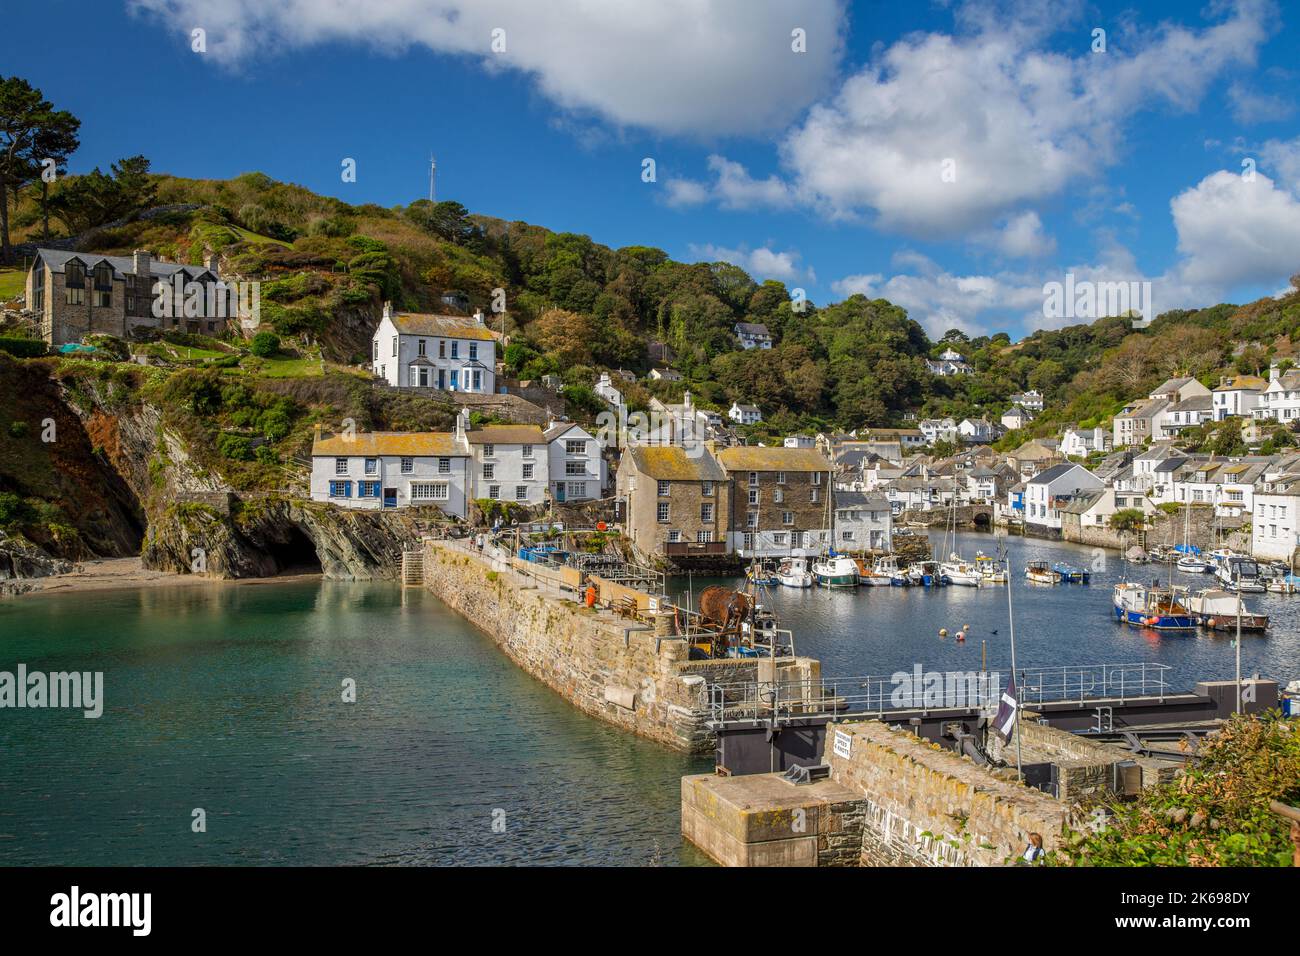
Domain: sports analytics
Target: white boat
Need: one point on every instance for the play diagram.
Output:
(794, 573)
(1191, 564)
(882, 573)
(1283, 584)
(959, 572)
(1040, 572)
(991, 569)
(836, 571)
(1240, 573)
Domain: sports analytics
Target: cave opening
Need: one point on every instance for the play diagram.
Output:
(296, 554)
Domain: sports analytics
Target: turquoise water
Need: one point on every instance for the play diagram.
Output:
(229, 698)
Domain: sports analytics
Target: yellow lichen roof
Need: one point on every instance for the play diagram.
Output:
(672, 463)
(1243, 381)
(754, 458)
(413, 444)
(507, 435)
(447, 326)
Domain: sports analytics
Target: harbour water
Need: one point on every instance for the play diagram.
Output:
(878, 631)
(229, 698)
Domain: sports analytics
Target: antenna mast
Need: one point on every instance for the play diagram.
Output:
(433, 168)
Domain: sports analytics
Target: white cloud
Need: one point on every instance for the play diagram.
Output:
(1015, 122)
(682, 193)
(761, 263)
(1022, 237)
(1232, 232)
(1282, 158)
(1252, 106)
(674, 66)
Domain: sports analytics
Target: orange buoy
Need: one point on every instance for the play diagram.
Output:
(961, 636)
(591, 595)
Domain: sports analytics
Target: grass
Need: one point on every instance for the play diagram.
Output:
(248, 236)
(12, 283)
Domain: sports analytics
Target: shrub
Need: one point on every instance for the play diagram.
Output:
(235, 447)
(18, 429)
(22, 348)
(265, 344)
(13, 510)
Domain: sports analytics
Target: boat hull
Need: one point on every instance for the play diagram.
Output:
(837, 580)
(1158, 622)
(1228, 622)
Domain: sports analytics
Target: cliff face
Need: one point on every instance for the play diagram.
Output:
(125, 485)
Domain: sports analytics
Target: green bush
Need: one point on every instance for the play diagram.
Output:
(13, 510)
(235, 447)
(265, 344)
(19, 429)
(22, 348)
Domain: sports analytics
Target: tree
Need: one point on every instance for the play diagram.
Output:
(31, 131)
(265, 344)
(84, 202)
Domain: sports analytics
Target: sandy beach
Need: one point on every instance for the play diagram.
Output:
(117, 573)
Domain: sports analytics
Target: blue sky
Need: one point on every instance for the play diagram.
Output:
(952, 157)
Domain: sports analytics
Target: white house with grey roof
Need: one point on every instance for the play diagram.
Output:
(744, 414)
(577, 467)
(862, 521)
(1047, 493)
(447, 353)
(753, 335)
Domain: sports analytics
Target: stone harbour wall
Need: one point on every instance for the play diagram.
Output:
(927, 806)
(607, 666)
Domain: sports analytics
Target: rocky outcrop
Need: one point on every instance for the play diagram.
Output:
(19, 558)
(226, 536)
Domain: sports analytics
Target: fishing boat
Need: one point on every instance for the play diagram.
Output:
(1240, 573)
(763, 577)
(882, 572)
(991, 570)
(1069, 574)
(1040, 572)
(1193, 563)
(836, 571)
(1151, 606)
(1216, 609)
(925, 574)
(794, 573)
(960, 572)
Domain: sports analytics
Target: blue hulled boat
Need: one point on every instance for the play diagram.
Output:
(1069, 574)
(1152, 606)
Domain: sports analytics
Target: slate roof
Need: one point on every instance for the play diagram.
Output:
(56, 259)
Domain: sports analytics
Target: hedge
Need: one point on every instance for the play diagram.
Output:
(23, 348)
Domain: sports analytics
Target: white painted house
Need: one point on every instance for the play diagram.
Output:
(1281, 399)
(745, 414)
(1274, 533)
(1237, 395)
(508, 463)
(1048, 491)
(607, 390)
(374, 470)
(753, 335)
(862, 521)
(577, 469)
(447, 353)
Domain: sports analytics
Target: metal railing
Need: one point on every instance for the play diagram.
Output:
(909, 691)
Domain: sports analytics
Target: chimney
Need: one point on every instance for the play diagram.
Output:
(319, 432)
(388, 310)
(214, 264)
(478, 316)
(141, 262)
(1273, 372)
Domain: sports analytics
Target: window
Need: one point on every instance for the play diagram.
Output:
(494, 492)
(577, 489)
(372, 466)
(408, 465)
(102, 299)
(575, 447)
(74, 274)
(444, 466)
(455, 350)
(661, 512)
(703, 537)
(489, 450)
(575, 468)
(340, 466)
(753, 496)
(778, 539)
(816, 477)
(75, 296)
(442, 349)
(394, 346)
(340, 489)
(376, 350)
(528, 472)
(367, 489)
(753, 479)
(489, 472)
(706, 489)
(429, 491)
(846, 535)
(674, 537)
(778, 495)
(780, 477)
(521, 492)
(473, 352)
(420, 350)
(814, 495)
(747, 540)
(478, 380)
(528, 451)
(706, 513)
(752, 520)
(663, 487)
(787, 517)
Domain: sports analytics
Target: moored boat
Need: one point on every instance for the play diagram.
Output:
(880, 573)
(763, 577)
(925, 574)
(1152, 606)
(836, 571)
(1283, 584)
(1069, 574)
(1041, 573)
(1216, 609)
(960, 572)
(991, 569)
(1240, 573)
(794, 573)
